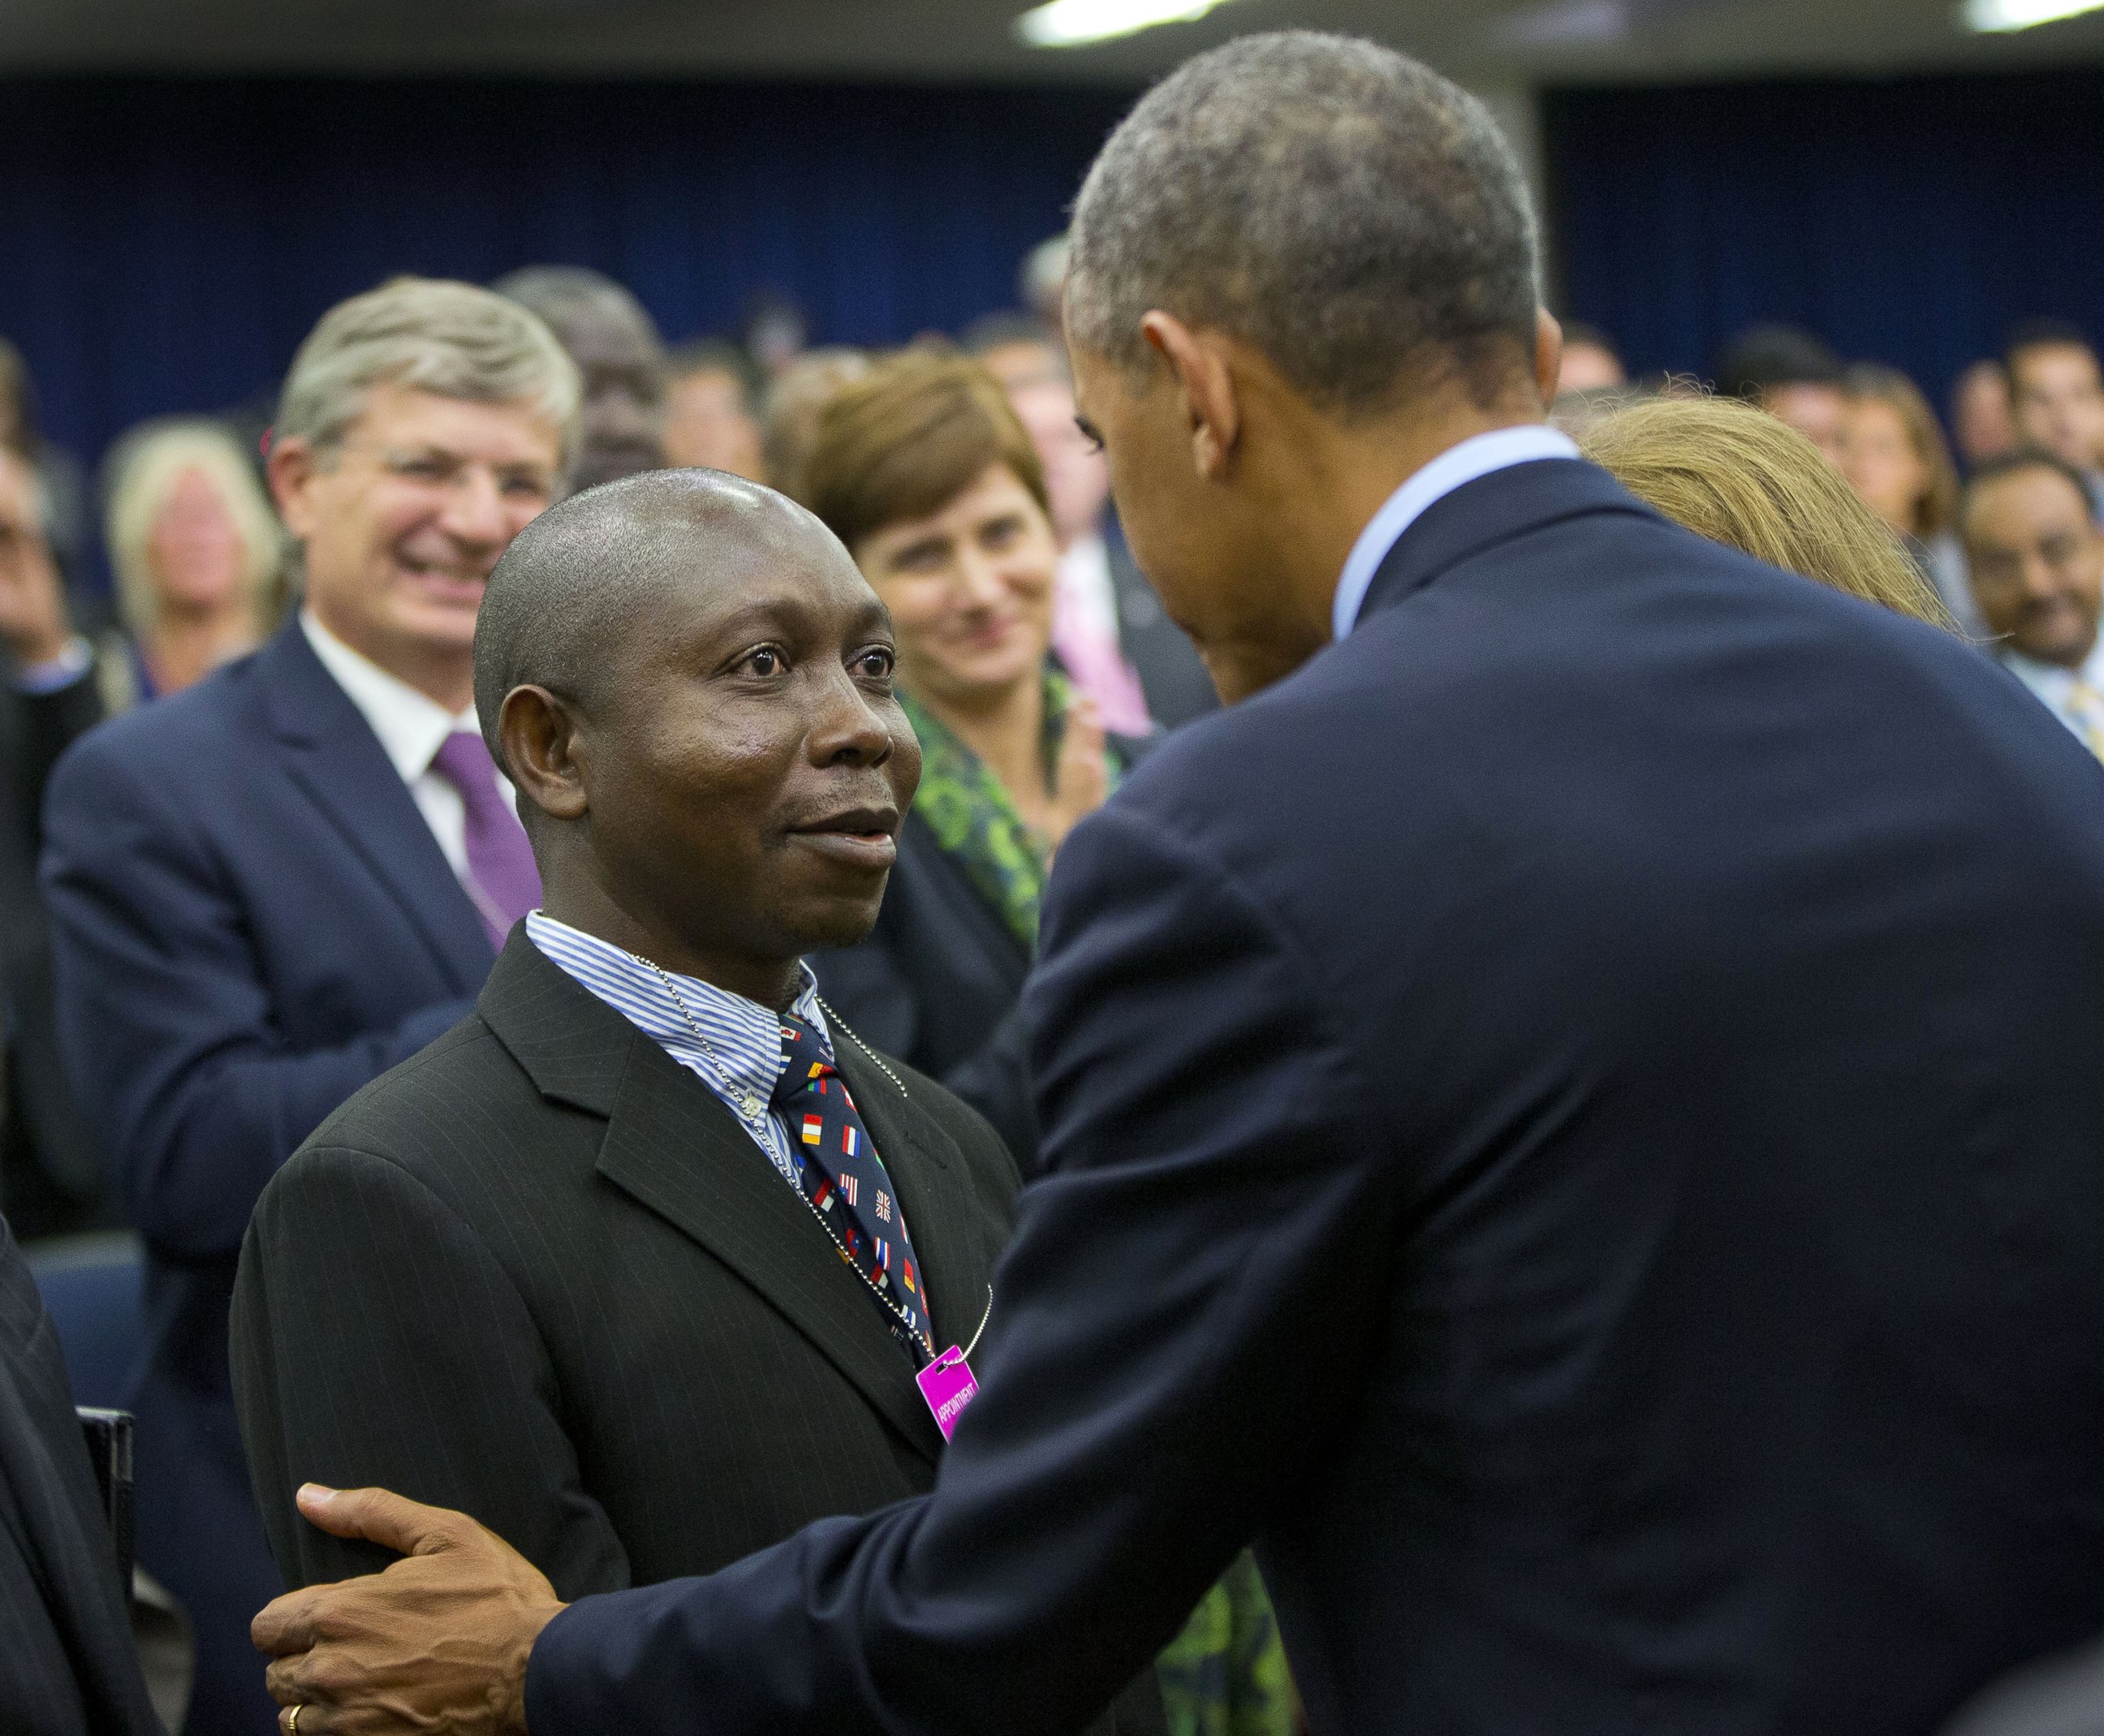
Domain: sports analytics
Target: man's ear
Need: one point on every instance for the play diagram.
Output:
(1198, 364)
(1548, 353)
(290, 470)
(539, 734)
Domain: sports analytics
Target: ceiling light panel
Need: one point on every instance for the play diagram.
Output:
(1993, 16)
(1073, 24)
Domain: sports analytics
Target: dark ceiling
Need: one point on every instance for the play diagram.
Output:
(1516, 40)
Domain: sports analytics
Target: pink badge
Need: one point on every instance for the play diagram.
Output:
(947, 1386)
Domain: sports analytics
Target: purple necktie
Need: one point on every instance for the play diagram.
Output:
(502, 878)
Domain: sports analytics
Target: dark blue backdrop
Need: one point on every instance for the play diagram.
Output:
(164, 244)
(1909, 222)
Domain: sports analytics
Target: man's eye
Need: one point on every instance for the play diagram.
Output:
(877, 663)
(764, 662)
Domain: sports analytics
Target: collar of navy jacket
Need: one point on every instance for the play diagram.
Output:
(674, 1147)
(1461, 464)
(1493, 509)
(331, 752)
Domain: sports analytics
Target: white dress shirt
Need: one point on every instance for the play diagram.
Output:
(2074, 696)
(1478, 456)
(412, 728)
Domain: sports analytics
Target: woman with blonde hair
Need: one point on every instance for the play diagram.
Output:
(1737, 475)
(195, 550)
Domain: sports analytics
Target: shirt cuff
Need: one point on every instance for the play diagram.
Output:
(61, 671)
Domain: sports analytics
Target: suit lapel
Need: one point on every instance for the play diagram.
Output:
(333, 756)
(672, 1145)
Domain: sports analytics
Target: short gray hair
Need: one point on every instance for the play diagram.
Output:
(1355, 217)
(453, 340)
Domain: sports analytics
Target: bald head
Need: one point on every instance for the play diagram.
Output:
(690, 684)
(583, 579)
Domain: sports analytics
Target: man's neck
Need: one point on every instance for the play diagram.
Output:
(773, 983)
(1347, 478)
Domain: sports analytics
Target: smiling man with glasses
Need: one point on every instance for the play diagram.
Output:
(269, 888)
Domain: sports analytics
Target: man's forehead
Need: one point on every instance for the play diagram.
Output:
(2034, 500)
(709, 579)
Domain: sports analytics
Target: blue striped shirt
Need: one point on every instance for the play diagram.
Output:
(744, 1037)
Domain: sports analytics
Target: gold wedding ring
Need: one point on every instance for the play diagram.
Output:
(293, 1723)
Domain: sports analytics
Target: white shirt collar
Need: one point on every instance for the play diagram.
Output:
(412, 726)
(733, 1045)
(2054, 680)
(1478, 456)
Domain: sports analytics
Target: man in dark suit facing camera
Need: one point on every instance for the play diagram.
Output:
(638, 1263)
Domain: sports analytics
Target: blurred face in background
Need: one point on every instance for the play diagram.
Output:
(969, 589)
(621, 366)
(1590, 367)
(402, 522)
(710, 424)
(1813, 409)
(194, 552)
(1980, 424)
(2038, 561)
(1879, 458)
(1076, 477)
(2057, 401)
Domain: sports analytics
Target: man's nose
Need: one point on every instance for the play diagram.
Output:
(2041, 583)
(847, 729)
(475, 511)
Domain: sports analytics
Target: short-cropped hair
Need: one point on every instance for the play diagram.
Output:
(1993, 469)
(432, 335)
(909, 437)
(143, 473)
(2028, 334)
(1341, 207)
(1763, 358)
(1722, 468)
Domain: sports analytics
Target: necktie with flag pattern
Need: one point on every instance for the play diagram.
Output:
(847, 1184)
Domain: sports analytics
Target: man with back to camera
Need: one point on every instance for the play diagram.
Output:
(2037, 560)
(578, 1267)
(1573, 1107)
(2056, 397)
(269, 888)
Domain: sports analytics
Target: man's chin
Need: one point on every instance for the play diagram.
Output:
(827, 924)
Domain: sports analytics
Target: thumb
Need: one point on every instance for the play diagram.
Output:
(379, 1515)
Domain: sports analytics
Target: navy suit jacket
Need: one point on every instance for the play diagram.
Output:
(1573, 1122)
(250, 919)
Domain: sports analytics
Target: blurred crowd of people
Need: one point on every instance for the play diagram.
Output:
(217, 982)
(2000, 517)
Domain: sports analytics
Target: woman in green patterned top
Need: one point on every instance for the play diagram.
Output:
(923, 470)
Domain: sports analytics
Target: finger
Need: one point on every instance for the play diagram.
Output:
(289, 1682)
(286, 1624)
(379, 1515)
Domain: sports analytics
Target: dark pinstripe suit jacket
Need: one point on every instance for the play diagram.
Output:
(539, 1273)
(67, 1665)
